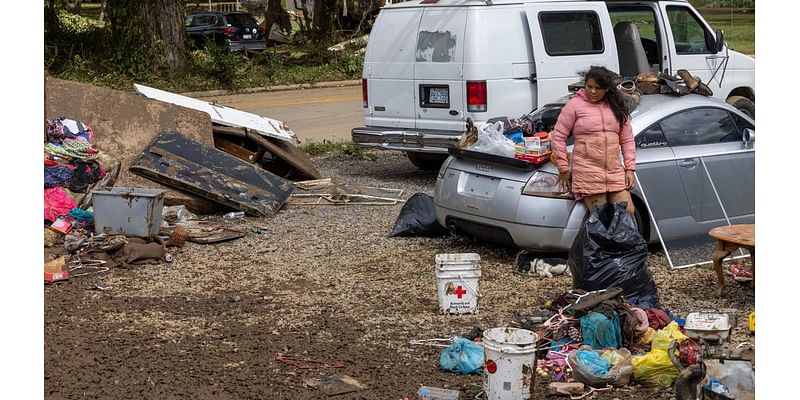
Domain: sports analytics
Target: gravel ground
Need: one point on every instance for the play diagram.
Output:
(323, 282)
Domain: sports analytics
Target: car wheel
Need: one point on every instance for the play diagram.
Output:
(743, 104)
(426, 161)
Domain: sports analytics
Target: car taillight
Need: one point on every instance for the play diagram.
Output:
(261, 29)
(476, 96)
(364, 92)
(229, 31)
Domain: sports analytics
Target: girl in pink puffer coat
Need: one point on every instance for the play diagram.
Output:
(600, 122)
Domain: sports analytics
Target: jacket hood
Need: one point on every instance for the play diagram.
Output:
(582, 94)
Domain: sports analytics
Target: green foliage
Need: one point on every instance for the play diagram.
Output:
(724, 3)
(345, 149)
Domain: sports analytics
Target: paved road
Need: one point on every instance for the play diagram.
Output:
(312, 114)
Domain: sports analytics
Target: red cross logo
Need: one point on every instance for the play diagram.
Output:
(460, 291)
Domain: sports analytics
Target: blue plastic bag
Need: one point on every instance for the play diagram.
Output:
(592, 362)
(600, 332)
(462, 357)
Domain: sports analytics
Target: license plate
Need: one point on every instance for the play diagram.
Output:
(438, 96)
(246, 37)
(480, 186)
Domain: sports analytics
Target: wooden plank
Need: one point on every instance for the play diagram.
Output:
(234, 149)
(279, 148)
(177, 161)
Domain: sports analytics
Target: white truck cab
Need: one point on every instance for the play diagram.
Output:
(431, 64)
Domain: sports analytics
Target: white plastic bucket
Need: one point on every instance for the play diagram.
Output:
(509, 362)
(457, 278)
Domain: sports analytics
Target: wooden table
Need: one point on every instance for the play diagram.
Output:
(729, 239)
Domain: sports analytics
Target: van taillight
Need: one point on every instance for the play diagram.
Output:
(476, 96)
(229, 31)
(364, 92)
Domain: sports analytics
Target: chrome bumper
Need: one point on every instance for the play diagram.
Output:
(422, 141)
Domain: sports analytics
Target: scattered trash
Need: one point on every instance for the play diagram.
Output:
(218, 236)
(601, 332)
(435, 393)
(336, 384)
(736, 379)
(418, 218)
(173, 214)
(55, 270)
(601, 368)
(457, 282)
(330, 192)
(234, 215)
(531, 263)
(565, 388)
(99, 287)
(751, 320)
(462, 357)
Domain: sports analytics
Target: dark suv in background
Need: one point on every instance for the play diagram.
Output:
(230, 30)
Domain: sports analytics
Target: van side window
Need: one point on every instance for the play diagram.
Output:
(571, 33)
(689, 33)
(644, 18)
(699, 126)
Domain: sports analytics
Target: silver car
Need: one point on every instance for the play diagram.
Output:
(695, 159)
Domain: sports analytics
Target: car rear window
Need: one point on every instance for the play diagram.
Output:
(241, 19)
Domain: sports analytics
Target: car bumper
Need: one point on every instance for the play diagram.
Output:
(247, 45)
(534, 237)
(423, 141)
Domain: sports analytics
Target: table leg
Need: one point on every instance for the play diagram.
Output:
(753, 265)
(718, 256)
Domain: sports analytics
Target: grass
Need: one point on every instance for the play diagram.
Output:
(740, 30)
(343, 148)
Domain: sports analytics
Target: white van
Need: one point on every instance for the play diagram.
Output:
(431, 64)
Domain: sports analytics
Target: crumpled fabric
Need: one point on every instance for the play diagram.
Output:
(657, 318)
(600, 331)
(57, 176)
(85, 174)
(56, 203)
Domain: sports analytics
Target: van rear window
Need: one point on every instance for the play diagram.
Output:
(571, 33)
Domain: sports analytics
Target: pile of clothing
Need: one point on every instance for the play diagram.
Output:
(70, 168)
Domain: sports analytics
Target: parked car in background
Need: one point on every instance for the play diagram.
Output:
(230, 30)
(677, 139)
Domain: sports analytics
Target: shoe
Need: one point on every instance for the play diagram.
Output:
(740, 273)
(703, 89)
(688, 79)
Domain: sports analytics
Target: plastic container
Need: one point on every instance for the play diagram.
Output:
(128, 211)
(510, 362)
(457, 279)
(708, 325)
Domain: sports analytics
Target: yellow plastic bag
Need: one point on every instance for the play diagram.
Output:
(655, 366)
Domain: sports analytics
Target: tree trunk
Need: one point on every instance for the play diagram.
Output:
(324, 16)
(103, 9)
(274, 9)
(153, 26)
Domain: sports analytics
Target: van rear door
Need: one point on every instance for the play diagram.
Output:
(389, 69)
(569, 38)
(438, 69)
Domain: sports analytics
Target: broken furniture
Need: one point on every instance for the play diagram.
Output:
(328, 191)
(729, 239)
(177, 161)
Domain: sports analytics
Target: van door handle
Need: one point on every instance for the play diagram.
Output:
(532, 78)
(688, 163)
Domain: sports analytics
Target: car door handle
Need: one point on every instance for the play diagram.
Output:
(688, 163)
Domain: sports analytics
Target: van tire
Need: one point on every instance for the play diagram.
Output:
(743, 104)
(426, 161)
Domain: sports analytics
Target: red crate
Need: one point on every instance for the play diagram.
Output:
(534, 159)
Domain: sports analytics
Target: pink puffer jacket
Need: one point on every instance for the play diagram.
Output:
(596, 167)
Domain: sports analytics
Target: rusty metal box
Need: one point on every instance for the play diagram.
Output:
(128, 211)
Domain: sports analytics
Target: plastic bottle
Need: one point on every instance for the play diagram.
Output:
(234, 215)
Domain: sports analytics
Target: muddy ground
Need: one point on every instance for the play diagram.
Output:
(321, 282)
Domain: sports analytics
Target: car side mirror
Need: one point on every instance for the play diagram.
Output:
(748, 136)
(720, 40)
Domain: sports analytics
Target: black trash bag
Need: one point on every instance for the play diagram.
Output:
(610, 252)
(418, 218)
